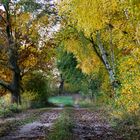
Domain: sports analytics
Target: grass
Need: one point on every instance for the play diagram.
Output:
(128, 126)
(62, 128)
(65, 100)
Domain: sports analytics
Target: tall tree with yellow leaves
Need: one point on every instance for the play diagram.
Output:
(113, 28)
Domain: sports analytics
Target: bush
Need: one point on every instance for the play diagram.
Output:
(6, 109)
(6, 112)
(14, 108)
(38, 83)
(28, 97)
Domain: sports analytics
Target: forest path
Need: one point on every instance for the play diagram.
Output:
(93, 125)
(31, 125)
(88, 125)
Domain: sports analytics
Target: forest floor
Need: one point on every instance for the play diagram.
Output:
(92, 125)
(36, 124)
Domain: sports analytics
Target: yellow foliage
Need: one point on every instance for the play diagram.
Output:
(21, 21)
(30, 61)
(122, 17)
(88, 61)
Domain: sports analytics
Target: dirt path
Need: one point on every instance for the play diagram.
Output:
(36, 129)
(88, 125)
(92, 126)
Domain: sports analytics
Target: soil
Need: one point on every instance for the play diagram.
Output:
(35, 130)
(89, 125)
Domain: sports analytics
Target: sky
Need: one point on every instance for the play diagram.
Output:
(1, 7)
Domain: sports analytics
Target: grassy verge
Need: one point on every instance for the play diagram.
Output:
(65, 100)
(62, 128)
(128, 126)
(11, 125)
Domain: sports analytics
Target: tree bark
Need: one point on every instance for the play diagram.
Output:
(15, 86)
(61, 87)
(106, 61)
(15, 83)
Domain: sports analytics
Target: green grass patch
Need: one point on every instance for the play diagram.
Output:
(65, 100)
(62, 128)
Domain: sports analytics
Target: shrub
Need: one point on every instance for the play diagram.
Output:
(6, 109)
(14, 108)
(38, 83)
(6, 112)
(28, 97)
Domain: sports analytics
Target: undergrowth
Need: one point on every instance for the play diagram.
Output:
(128, 126)
(62, 128)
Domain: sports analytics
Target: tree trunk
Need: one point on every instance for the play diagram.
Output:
(15, 98)
(106, 61)
(61, 87)
(13, 59)
(15, 84)
(14, 88)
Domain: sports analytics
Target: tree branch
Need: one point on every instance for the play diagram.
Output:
(3, 18)
(5, 85)
(95, 49)
(5, 65)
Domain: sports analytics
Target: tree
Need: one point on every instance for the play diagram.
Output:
(112, 27)
(103, 24)
(22, 25)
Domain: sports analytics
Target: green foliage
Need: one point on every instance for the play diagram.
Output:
(15, 108)
(4, 108)
(30, 5)
(62, 129)
(67, 63)
(27, 98)
(128, 125)
(38, 83)
(8, 110)
(4, 1)
(76, 81)
(73, 76)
